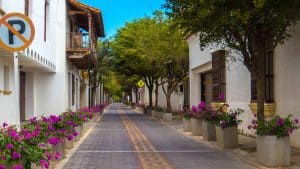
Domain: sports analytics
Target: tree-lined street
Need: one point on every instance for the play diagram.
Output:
(130, 140)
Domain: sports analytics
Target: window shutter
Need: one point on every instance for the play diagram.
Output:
(26, 7)
(269, 82)
(219, 74)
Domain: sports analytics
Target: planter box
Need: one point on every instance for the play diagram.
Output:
(168, 117)
(227, 137)
(186, 125)
(68, 144)
(78, 129)
(209, 131)
(60, 148)
(196, 126)
(273, 151)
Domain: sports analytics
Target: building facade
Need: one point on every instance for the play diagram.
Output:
(215, 70)
(41, 80)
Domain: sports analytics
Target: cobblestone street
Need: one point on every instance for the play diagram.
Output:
(129, 140)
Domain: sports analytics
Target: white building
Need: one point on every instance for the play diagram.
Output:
(212, 74)
(179, 98)
(38, 81)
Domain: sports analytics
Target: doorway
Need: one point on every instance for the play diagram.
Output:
(206, 88)
(22, 96)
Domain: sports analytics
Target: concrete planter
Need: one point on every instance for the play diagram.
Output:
(196, 127)
(167, 117)
(273, 151)
(186, 125)
(78, 129)
(61, 149)
(209, 131)
(68, 144)
(227, 137)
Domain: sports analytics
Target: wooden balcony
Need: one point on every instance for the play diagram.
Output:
(79, 51)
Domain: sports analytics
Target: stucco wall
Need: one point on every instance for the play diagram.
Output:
(9, 112)
(287, 80)
(176, 99)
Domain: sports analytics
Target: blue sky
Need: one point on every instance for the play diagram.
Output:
(117, 12)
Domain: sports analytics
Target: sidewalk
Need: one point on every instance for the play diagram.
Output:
(246, 151)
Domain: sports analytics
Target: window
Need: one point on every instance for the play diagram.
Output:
(219, 74)
(269, 83)
(6, 77)
(46, 10)
(180, 88)
(26, 7)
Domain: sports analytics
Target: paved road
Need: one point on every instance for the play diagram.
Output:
(125, 139)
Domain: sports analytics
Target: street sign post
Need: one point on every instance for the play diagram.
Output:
(141, 83)
(16, 32)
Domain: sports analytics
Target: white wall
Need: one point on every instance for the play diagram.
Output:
(176, 99)
(8, 109)
(237, 77)
(287, 80)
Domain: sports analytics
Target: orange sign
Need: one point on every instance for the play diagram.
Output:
(16, 32)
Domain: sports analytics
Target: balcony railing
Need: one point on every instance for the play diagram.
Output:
(77, 41)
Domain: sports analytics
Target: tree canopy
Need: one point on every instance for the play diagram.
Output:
(253, 27)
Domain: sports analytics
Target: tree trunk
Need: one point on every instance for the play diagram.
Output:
(136, 95)
(260, 85)
(169, 106)
(156, 94)
(93, 96)
(150, 88)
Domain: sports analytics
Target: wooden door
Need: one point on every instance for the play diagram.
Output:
(206, 88)
(22, 96)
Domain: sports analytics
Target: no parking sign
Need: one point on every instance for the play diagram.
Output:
(16, 32)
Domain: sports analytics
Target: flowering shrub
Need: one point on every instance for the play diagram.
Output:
(230, 119)
(197, 112)
(277, 126)
(36, 141)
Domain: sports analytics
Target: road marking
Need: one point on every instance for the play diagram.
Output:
(148, 156)
(168, 151)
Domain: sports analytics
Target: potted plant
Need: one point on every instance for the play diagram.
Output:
(196, 119)
(187, 121)
(273, 140)
(210, 119)
(226, 129)
(159, 113)
(167, 116)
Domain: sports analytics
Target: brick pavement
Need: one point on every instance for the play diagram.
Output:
(130, 140)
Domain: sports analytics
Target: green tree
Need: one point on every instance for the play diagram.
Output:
(135, 51)
(253, 27)
(101, 69)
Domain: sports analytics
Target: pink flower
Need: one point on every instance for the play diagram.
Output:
(57, 155)
(9, 146)
(44, 164)
(17, 166)
(296, 121)
(16, 155)
(75, 134)
(48, 155)
(70, 137)
(4, 124)
(194, 109)
(201, 105)
(53, 141)
(2, 166)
